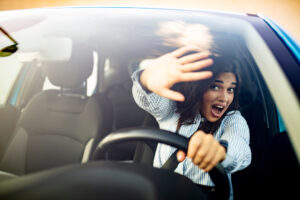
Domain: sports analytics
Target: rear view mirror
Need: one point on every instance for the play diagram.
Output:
(8, 50)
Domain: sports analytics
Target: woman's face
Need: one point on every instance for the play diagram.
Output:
(218, 97)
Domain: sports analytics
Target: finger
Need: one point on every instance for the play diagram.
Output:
(207, 159)
(170, 94)
(193, 57)
(196, 65)
(217, 158)
(181, 51)
(194, 144)
(195, 76)
(180, 156)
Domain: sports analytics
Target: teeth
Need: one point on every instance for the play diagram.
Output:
(221, 107)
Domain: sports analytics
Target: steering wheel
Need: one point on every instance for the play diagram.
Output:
(217, 174)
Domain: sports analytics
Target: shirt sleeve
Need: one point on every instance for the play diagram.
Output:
(236, 133)
(159, 107)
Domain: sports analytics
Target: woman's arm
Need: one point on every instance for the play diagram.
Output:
(237, 134)
(159, 107)
(206, 151)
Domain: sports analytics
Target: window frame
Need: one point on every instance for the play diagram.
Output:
(283, 78)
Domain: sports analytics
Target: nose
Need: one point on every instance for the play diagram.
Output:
(223, 96)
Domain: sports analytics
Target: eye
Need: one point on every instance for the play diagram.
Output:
(231, 90)
(214, 87)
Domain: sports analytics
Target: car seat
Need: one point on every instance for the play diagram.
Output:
(57, 127)
(126, 114)
(117, 87)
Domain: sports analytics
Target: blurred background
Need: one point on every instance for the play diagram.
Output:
(285, 12)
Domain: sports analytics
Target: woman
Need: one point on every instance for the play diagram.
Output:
(200, 105)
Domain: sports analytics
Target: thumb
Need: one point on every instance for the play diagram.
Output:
(180, 156)
(170, 94)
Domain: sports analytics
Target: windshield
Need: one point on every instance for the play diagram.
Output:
(119, 47)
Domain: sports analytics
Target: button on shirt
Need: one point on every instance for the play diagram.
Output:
(233, 129)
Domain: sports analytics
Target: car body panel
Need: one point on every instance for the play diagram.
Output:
(287, 39)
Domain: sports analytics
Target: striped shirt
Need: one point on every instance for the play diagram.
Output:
(233, 129)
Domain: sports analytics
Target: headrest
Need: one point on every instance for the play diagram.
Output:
(71, 73)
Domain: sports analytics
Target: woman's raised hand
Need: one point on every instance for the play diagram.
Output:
(172, 68)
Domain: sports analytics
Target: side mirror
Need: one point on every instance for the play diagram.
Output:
(7, 51)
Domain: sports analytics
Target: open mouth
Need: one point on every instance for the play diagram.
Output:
(217, 110)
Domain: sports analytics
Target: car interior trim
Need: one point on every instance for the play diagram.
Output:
(87, 150)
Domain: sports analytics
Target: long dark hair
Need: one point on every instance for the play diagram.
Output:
(193, 92)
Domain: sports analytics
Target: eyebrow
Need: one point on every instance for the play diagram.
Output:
(219, 81)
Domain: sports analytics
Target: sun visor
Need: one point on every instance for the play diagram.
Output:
(46, 49)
